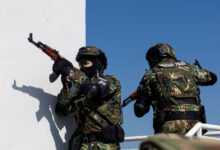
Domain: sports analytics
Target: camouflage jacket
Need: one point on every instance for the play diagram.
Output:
(172, 79)
(91, 116)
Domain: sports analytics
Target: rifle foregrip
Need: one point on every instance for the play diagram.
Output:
(133, 95)
(53, 77)
(127, 101)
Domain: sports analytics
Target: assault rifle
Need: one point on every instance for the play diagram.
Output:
(52, 53)
(129, 99)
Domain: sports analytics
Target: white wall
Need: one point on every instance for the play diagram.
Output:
(27, 118)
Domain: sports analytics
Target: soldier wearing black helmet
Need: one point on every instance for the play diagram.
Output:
(172, 88)
(95, 99)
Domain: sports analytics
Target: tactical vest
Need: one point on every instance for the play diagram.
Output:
(108, 113)
(177, 86)
(176, 82)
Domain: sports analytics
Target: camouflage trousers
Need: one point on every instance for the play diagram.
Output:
(178, 126)
(97, 145)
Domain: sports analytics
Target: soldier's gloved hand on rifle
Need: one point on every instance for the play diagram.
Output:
(142, 104)
(63, 67)
(95, 90)
(213, 80)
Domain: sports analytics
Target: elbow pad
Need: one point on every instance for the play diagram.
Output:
(141, 107)
(61, 110)
(90, 90)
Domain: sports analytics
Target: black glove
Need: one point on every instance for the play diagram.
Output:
(142, 104)
(141, 107)
(214, 78)
(62, 66)
(90, 90)
(95, 91)
(104, 86)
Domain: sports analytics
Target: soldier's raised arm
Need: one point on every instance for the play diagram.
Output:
(142, 104)
(70, 91)
(203, 77)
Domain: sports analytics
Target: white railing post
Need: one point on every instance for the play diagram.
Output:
(193, 131)
(197, 131)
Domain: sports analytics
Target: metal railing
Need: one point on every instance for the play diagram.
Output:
(135, 138)
(195, 131)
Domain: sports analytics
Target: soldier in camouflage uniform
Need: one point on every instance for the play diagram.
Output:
(172, 88)
(95, 100)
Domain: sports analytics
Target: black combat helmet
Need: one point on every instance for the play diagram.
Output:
(92, 52)
(159, 51)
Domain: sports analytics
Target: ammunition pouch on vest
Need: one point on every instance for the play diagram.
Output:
(113, 134)
(162, 117)
(110, 134)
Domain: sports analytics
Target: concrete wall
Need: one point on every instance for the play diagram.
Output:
(28, 120)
